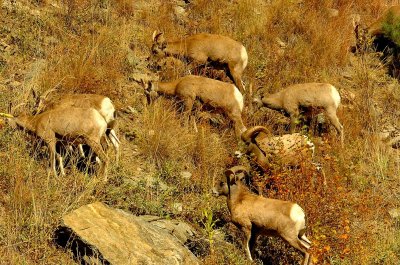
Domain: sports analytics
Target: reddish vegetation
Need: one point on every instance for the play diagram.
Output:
(103, 47)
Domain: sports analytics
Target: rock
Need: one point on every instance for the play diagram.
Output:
(177, 207)
(394, 213)
(112, 236)
(185, 174)
(180, 230)
(332, 12)
(390, 135)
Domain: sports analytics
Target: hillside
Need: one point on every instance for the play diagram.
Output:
(169, 162)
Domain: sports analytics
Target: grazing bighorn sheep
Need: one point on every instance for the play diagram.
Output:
(307, 95)
(77, 125)
(213, 92)
(100, 103)
(256, 215)
(205, 47)
(288, 149)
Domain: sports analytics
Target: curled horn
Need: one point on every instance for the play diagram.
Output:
(157, 37)
(154, 35)
(236, 170)
(249, 135)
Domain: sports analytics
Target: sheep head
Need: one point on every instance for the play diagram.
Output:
(159, 44)
(233, 174)
(149, 90)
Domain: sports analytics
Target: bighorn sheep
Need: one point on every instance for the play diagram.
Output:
(256, 215)
(213, 92)
(78, 125)
(100, 103)
(288, 149)
(307, 95)
(205, 47)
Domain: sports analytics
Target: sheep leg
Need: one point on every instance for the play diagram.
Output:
(236, 71)
(295, 242)
(52, 149)
(115, 142)
(252, 242)
(61, 164)
(188, 103)
(331, 114)
(236, 117)
(96, 147)
(293, 121)
(81, 152)
(247, 237)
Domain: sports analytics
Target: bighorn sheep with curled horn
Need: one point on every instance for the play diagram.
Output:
(307, 95)
(288, 149)
(213, 92)
(205, 47)
(256, 215)
(78, 125)
(100, 103)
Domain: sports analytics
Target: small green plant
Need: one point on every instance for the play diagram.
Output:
(391, 28)
(209, 227)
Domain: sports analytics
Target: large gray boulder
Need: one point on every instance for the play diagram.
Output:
(98, 234)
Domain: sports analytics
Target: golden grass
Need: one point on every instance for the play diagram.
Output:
(101, 43)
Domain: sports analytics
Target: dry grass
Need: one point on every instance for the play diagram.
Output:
(96, 46)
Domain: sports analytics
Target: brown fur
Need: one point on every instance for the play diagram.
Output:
(212, 92)
(256, 215)
(286, 150)
(99, 102)
(307, 95)
(77, 125)
(205, 47)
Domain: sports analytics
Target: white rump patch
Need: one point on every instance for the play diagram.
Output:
(243, 55)
(107, 109)
(239, 97)
(335, 95)
(297, 215)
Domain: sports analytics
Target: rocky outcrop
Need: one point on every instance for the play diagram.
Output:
(96, 233)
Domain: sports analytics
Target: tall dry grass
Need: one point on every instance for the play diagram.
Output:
(99, 44)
